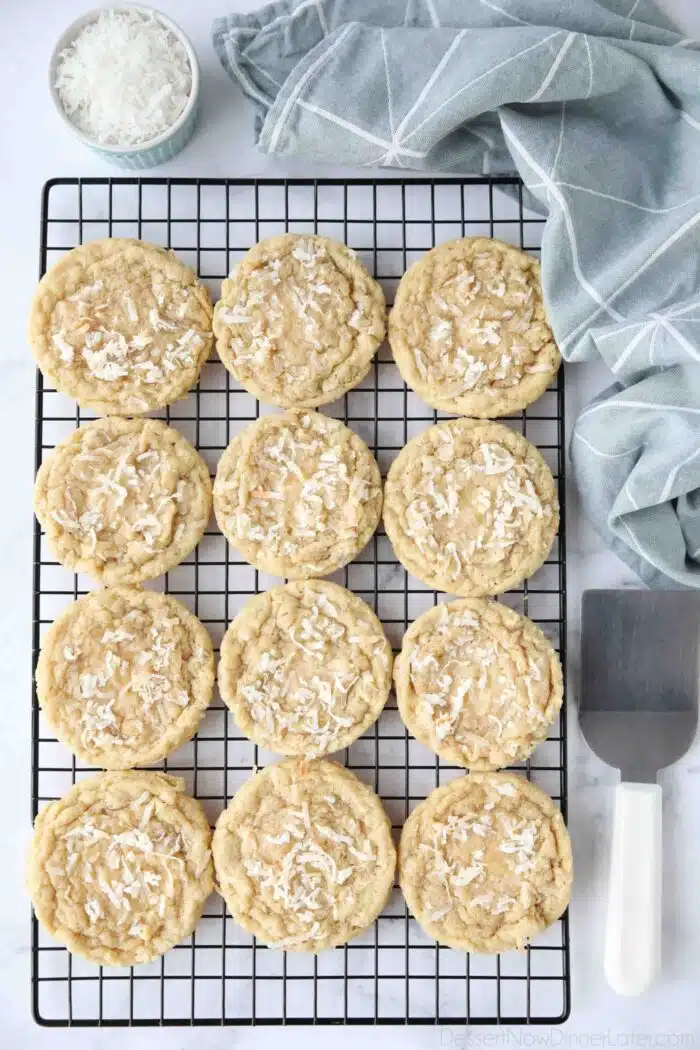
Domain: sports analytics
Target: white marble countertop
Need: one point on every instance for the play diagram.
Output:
(36, 147)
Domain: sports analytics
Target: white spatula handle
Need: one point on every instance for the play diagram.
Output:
(633, 934)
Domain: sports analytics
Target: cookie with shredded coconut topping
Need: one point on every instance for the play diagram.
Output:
(304, 856)
(299, 320)
(485, 863)
(468, 329)
(478, 683)
(305, 668)
(471, 507)
(124, 676)
(123, 500)
(120, 868)
(122, 326)
(299, 494)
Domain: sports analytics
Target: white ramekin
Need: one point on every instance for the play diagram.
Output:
(153, 151)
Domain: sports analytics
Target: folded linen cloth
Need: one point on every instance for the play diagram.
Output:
(597, 106)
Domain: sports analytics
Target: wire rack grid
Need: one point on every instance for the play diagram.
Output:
(393, 973)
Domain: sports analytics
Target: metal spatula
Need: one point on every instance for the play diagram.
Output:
(638, 710)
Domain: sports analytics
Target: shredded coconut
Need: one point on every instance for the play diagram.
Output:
(125, 79)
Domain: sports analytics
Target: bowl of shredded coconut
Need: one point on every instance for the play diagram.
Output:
(126, 81)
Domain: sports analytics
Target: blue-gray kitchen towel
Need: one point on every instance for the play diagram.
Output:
(597, 105)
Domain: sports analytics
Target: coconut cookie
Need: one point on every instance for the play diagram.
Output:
(299, 320)
(123, 500)
(124, 676)
(485, 863)
(468, 329)
(121, 326)
(470, 507)
(120, 868)
(478, 683)
(304, 856)
(299, 495)
(305, 668)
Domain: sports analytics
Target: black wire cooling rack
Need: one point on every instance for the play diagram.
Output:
(393, 973)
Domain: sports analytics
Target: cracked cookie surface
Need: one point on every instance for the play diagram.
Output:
(305, 668)
(120, 868)
(299, 320)
(478, 683)
(124, 676)
(470, 507)
(299, 494)
(123, 500)
(304, 855)
(122, 326)
(468, 329)
(485, 862)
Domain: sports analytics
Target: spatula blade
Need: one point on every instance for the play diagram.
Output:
(640, 675)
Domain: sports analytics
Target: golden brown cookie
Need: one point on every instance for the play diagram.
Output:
(305, 668)
(299, 494)
(124, 676)
(469, 331)
(304, 856)
(478, 683)
(485, 862)
(470, 507)
(123, 499)
(120, 868)
(299, 320)
(121, 326)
